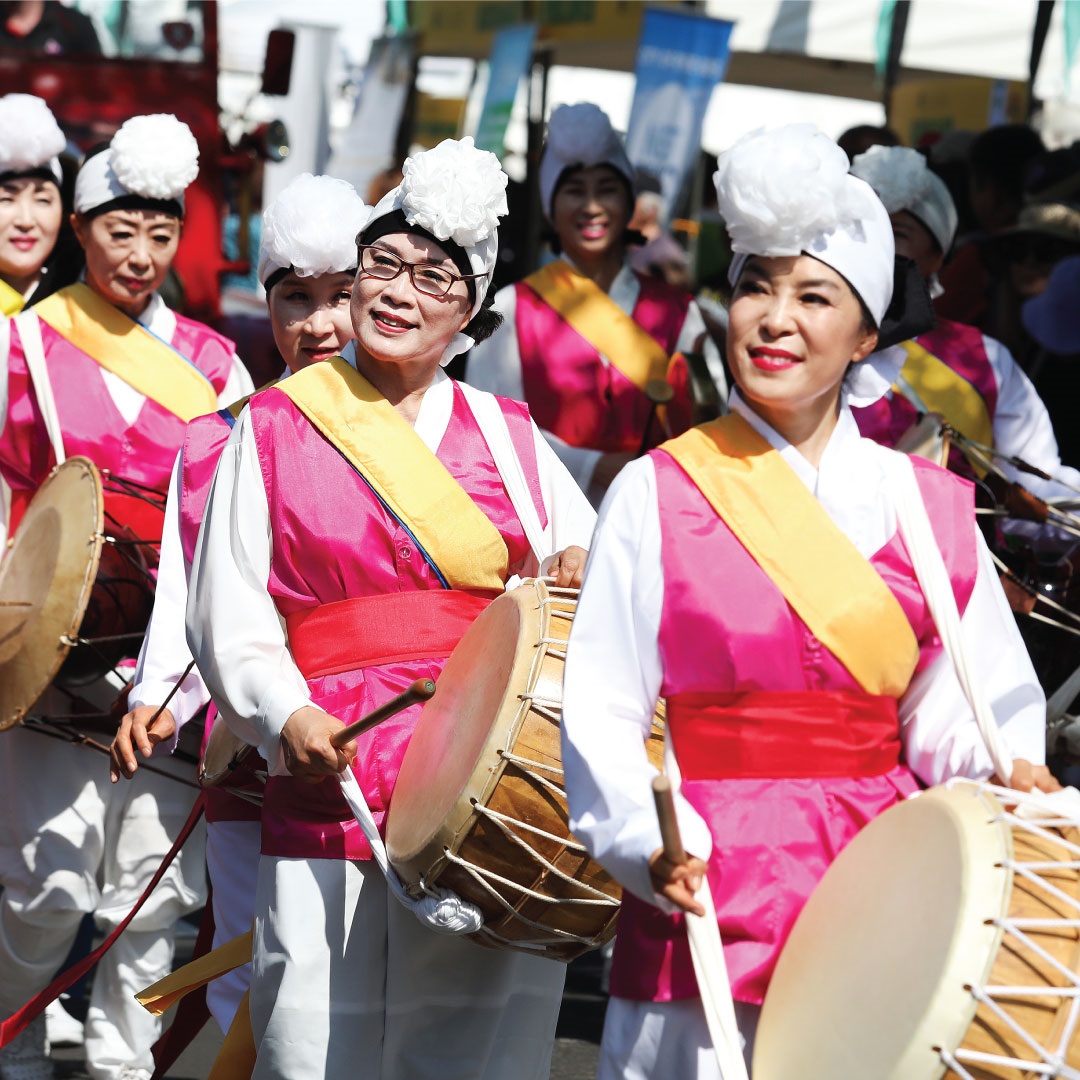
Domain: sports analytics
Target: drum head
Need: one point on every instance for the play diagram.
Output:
(454, 728)
(876, 973)
(45, 582)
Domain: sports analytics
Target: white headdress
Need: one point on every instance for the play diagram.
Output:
(580, 135)
(311, 228)
(902, 181)
(30, 137)
(151, 157)
(454, 192)
(789, 192)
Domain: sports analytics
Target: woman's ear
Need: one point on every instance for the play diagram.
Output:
(79, 226)
(867, 344)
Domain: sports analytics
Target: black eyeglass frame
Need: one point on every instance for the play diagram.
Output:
(412, 268)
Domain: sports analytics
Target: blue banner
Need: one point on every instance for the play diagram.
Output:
(680, 59)
(511, 55)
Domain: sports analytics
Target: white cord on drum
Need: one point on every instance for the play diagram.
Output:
(439, 909)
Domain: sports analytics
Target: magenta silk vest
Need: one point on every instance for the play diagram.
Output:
(203, 442)
(963, 349)
(571, 391)
(332, 540)
(143, 452)
(725, 627)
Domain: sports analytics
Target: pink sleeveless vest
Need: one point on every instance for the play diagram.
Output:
(332, 540)
(725, 627)
(203, 441)
(573, 394)
(142, 452)
(963, 349)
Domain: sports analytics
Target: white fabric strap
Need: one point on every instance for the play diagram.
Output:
(492, 423)
(934, 581)
(710, 969)
(34, 352)
(439, 909)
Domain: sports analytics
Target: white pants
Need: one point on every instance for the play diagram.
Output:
(347, 983)
(71, 843)
(666, 1040)
(232, 861)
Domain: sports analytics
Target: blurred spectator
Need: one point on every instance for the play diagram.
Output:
(660, 256)
(1021, 259)
(859, 139)
(52, 28)
(998, 164)
(1053, 321)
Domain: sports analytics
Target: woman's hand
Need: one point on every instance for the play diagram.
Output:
(568, 569)
(678, 882)
(139, 730)
(305, 742)
(1028, 777)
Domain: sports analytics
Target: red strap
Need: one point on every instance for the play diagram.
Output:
(369, 631)
(15, 1024)
(771, 735)
(140, 515)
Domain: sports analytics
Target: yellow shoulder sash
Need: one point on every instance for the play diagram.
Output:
(601, 322)
(822, 575)
(11, 300)
(415, 486)
(943, 390)
(129, 351)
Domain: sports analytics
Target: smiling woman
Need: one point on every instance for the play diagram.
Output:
(752, 573)
(31, 208)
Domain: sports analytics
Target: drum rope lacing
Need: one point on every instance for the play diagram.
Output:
(1048, 1063)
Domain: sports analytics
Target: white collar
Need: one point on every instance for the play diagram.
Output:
(435, 408)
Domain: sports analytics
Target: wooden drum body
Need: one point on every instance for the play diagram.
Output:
(943, 942)
(479, 806)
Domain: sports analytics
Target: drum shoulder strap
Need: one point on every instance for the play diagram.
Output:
(34, 354)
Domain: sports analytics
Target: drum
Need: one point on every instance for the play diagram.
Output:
(45, 583)
(227, 761)
(943, 942)
(479, 806)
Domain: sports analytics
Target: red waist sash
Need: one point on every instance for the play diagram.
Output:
(368, 631)
(763, 734)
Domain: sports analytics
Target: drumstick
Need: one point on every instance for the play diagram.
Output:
(420, 690)
(669, 823)
(659, 392)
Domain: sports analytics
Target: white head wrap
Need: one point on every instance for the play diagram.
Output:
(902, 181)
(789, 192)
(311, 228)
(455, 192)
(154, 157)
(580, 135)
(30, 137)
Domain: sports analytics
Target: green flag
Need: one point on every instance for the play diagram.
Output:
(883, 36)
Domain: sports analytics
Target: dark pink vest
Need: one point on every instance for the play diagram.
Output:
(571, 391)
(333, 540)
(725, 627)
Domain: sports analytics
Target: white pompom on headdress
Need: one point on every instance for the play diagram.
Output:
(902, 180)
(789, 192)
(311, 228)
(580, 135)
(456, 193)
(30, 137)
(153, 157)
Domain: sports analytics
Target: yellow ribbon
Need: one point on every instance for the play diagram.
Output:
(128, 350)
(822, 575)
(165, 993)
(11, 300)
(381, 445)
(943, 390)
(601, 322)
(236, 1058)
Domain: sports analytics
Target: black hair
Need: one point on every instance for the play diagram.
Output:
(283, 271)
(1003, 154)
(486, 321)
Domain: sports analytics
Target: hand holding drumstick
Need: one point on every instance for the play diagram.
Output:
(675, 875)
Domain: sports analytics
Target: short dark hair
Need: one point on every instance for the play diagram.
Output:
(1002, 156)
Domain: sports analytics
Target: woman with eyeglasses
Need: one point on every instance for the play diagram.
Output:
(360, 518)
(588, 342)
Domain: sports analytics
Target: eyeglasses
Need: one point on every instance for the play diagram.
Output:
(432, 280)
